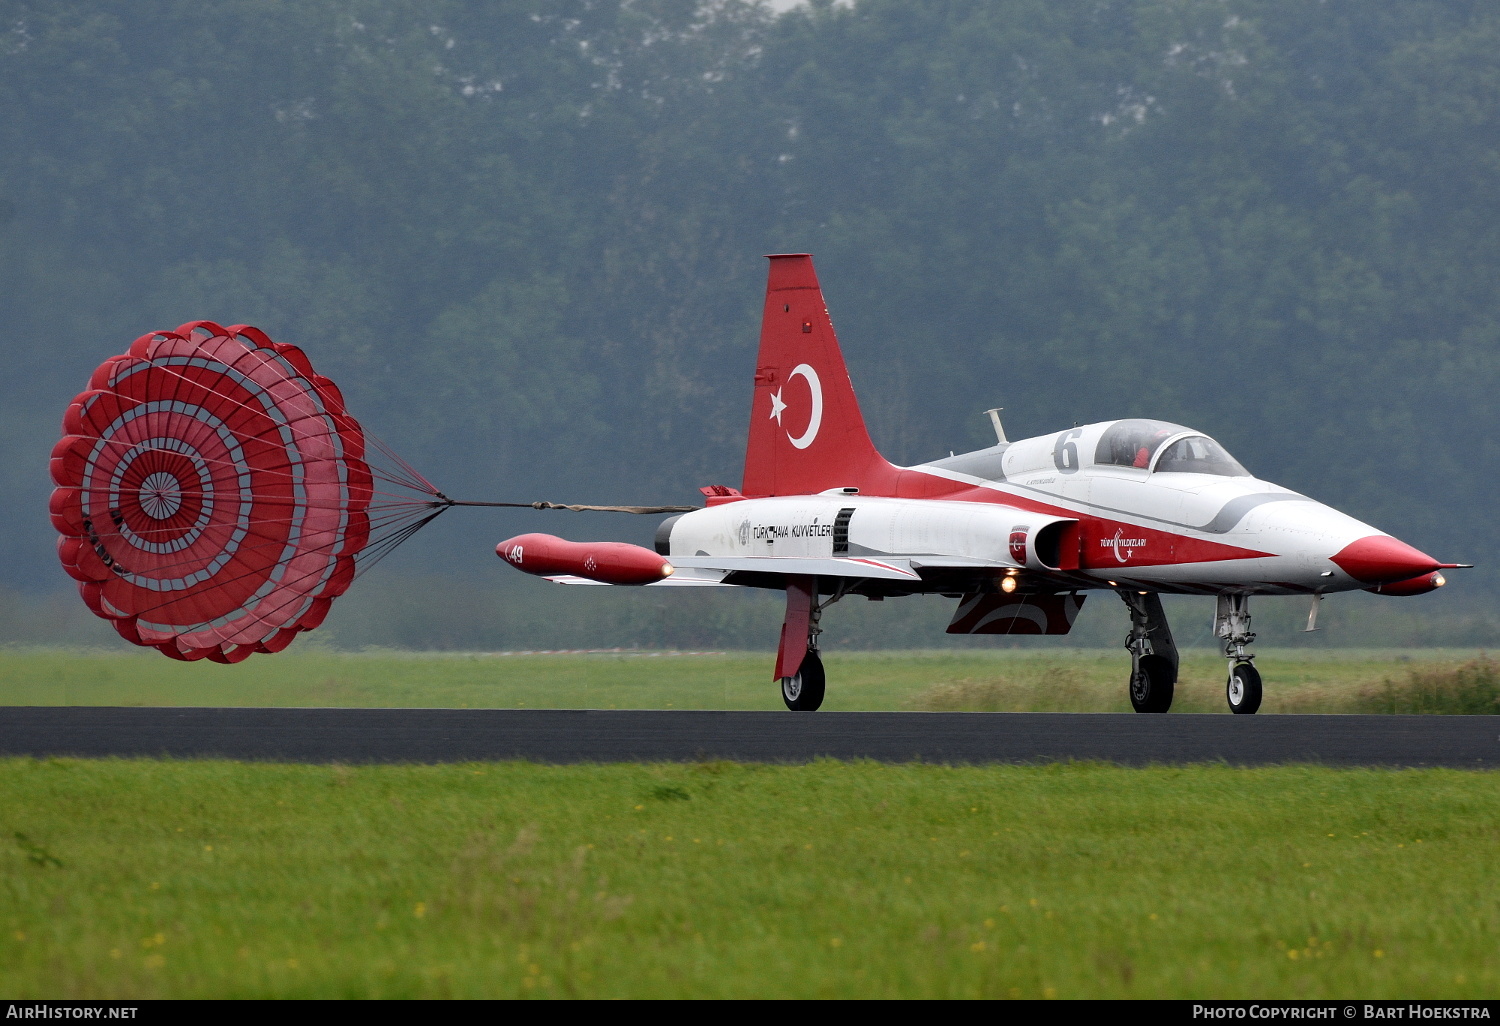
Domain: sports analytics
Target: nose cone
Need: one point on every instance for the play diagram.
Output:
(1379, 559)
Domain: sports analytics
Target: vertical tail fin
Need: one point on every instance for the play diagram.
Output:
(806, 431)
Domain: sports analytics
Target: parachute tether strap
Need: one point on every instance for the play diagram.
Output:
(574, 507)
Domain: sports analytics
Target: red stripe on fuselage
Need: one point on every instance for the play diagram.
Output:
(1105, 544)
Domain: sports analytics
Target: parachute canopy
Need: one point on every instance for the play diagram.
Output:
(213, 494)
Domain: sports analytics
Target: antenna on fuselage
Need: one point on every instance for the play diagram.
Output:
(999, 428)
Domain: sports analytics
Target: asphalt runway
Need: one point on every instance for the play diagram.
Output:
(570, 736)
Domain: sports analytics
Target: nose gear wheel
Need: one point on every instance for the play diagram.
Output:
(1232, 627)
(1243, 689)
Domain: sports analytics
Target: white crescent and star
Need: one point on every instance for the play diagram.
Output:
(815, 420)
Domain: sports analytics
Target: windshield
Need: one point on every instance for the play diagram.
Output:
(1199, 454)
(1132, 443)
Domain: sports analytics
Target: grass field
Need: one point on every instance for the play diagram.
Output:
(150, 878)
(1334, 680)
(147, 879)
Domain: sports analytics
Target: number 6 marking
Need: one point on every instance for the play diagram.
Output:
(1065, 452)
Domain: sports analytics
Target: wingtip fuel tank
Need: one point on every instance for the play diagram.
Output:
(545, 555)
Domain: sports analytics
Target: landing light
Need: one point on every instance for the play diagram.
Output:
(1007, 584)
(1439, 581)
(667, 569)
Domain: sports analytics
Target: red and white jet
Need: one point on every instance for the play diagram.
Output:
(1017, 532)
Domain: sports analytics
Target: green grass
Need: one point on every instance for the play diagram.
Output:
(216, 879)
(1471, 688)
(1067, 680)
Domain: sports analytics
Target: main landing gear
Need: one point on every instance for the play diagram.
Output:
(1153, 654)
(799, 668)
(803, 690)
(1232, 626)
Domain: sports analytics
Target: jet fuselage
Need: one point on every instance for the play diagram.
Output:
(1113, 504)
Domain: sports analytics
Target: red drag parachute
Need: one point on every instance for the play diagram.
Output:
(214, 496)
(212, 493)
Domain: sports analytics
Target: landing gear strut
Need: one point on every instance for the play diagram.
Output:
(1232, 626)
(799, 668)
(1153, 654)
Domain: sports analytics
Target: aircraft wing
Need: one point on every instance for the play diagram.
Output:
(957, 563)
(683, 578)
(721, 571)
(816, 566)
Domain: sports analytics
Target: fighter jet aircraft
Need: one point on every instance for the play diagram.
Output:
(1017, 532)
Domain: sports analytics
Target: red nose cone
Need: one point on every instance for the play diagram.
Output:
(1380, 558)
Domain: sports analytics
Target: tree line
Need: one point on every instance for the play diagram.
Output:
(525, 236)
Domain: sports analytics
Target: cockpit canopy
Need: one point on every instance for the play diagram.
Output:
(1134, 443)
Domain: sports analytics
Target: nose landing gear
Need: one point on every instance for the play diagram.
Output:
(1244, 690)
(1153, 654)
(1232, 626)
